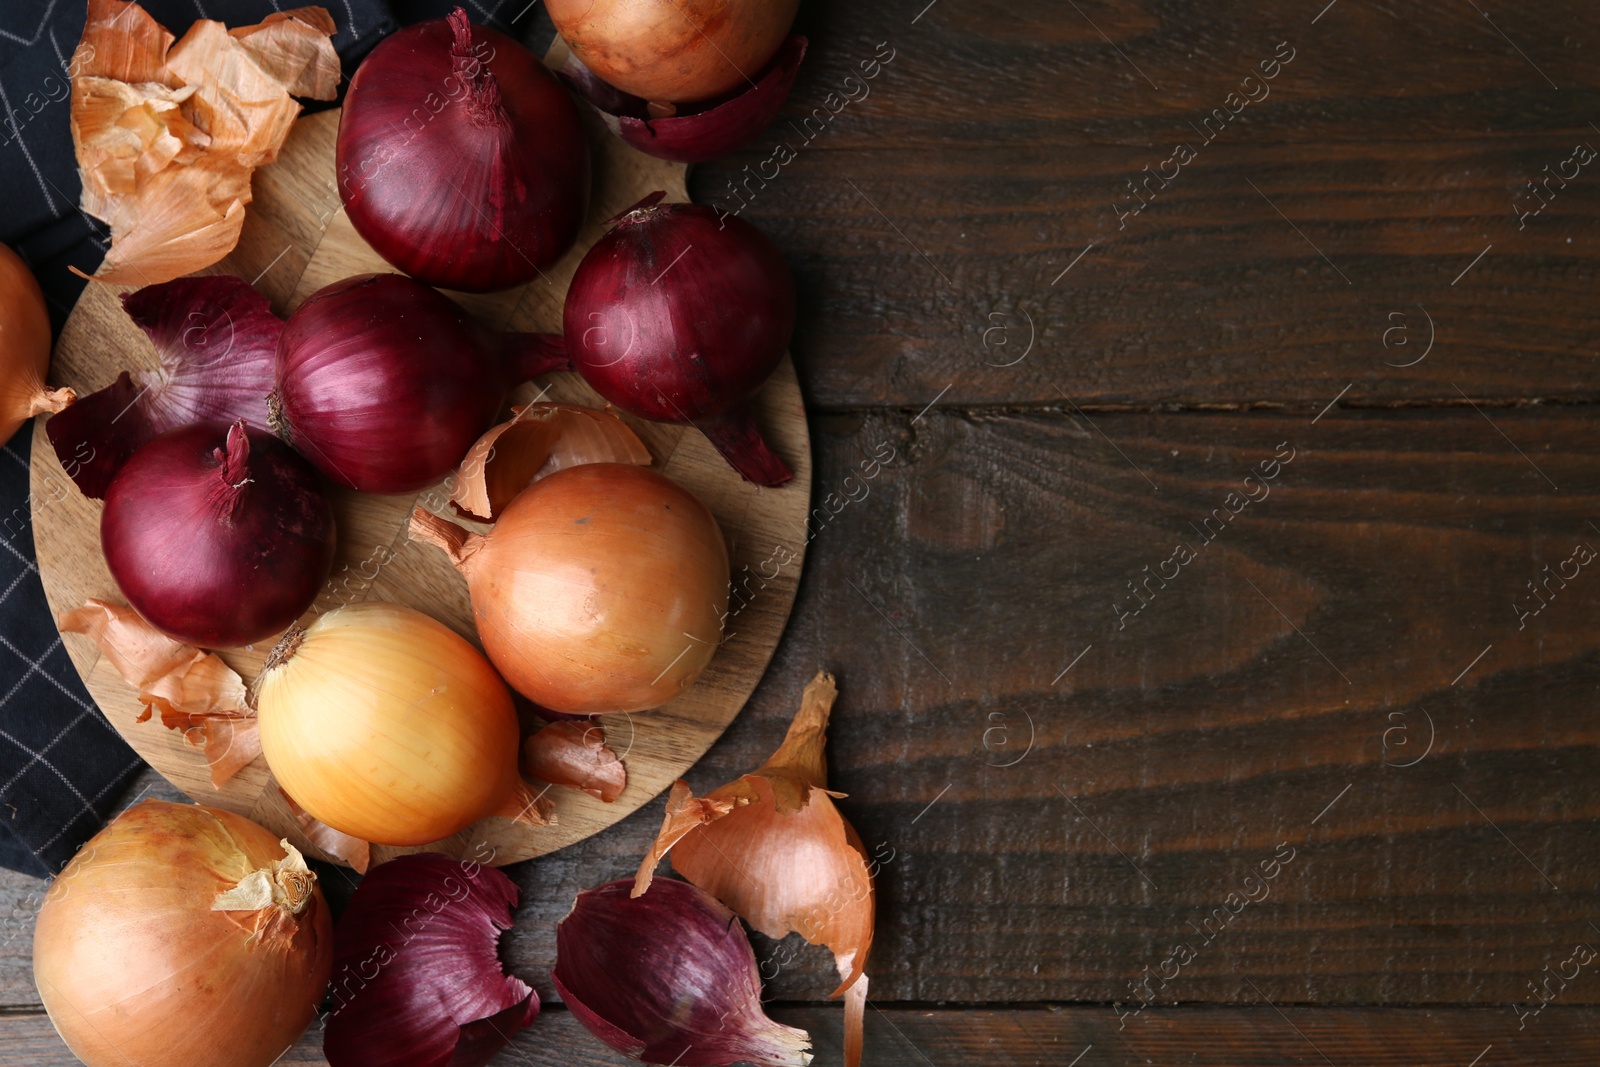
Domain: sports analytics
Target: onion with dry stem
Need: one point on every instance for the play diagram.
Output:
(24, 348)
(182, 936)
(781, 821)
(388, 726)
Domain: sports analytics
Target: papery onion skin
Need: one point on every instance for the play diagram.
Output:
(465, 174)
(24, 348)
(137, 970)
(681, 315)
(218, 536)
(416, 979)
(388, 726)
(675, 51)
(668, 978)
(599, 589)
(216, 337)
(384, 384)
(697, 135)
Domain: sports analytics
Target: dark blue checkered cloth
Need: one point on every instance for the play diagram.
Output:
(62, 767)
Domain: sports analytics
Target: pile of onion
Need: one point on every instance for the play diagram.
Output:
(218, 535)
(461, 159)
(677, 315)
(182, 936)
(384, 384)
(388, 726)
(601, 588)
(24, 348)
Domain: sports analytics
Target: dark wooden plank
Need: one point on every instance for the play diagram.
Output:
(1086, 1036)
(928, 219)
(1251, 694)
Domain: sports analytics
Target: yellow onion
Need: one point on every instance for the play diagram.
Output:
(24, 348)
(676, 51)
(600, 588)
(388, 726)
(182, 936)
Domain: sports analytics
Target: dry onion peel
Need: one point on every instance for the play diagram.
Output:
(575, 755)
(216, 338)
(168, 135)
(424, 742)
(24, 348)
(668, 978)
(341, 846)
(182, 934)
(416, 978)
(774, 848)
(538, 440)
(692, 134)
(195, 691)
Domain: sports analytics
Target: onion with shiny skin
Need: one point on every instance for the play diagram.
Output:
(219, 536)
(677, 315)
(601, 588)
(24, 348)
(384, 384)
(676, 51)
(387, 725)
(461, 159)
(182, 936)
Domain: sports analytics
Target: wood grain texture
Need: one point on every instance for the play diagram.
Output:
(929, 219)
(1058, 1037)
(297, 209)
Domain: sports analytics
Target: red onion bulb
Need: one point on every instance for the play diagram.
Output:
(461, 159)
(676, 315)
(384, 384)
(219, 536)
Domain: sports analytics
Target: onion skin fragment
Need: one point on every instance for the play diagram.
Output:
(575, 755)
(692, 136)
(416, 978)
(669, 978)
(149, 953)
(216, 337)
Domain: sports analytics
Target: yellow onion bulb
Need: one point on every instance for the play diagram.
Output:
(24, 348)
(600, 588)
(182, 936)
(387, 725)
(674, 51)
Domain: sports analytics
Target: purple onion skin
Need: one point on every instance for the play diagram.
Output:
(681, 315)
(704, 132)
(668, 978)
(462, 181)
(384, 384)
(216, 550)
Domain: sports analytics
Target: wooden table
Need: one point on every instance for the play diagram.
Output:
(1207, 547)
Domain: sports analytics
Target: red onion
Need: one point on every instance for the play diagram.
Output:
(696, 133)
(215, 337)
(678, 315)
(219, 536)
(384, 384)
(668, 978)
(416, 979)
(461, 160)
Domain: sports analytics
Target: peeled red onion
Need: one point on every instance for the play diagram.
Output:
(384, 384)
(219, 536)
(182, 936)
(601, 588)
(461, 159)
(676, 51)
(677, 315)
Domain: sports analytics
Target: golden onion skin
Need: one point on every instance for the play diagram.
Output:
(389, 726)
(674, 51)
(137, 970)
(601, 588)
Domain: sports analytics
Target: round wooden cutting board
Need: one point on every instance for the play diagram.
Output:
(296, 240)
